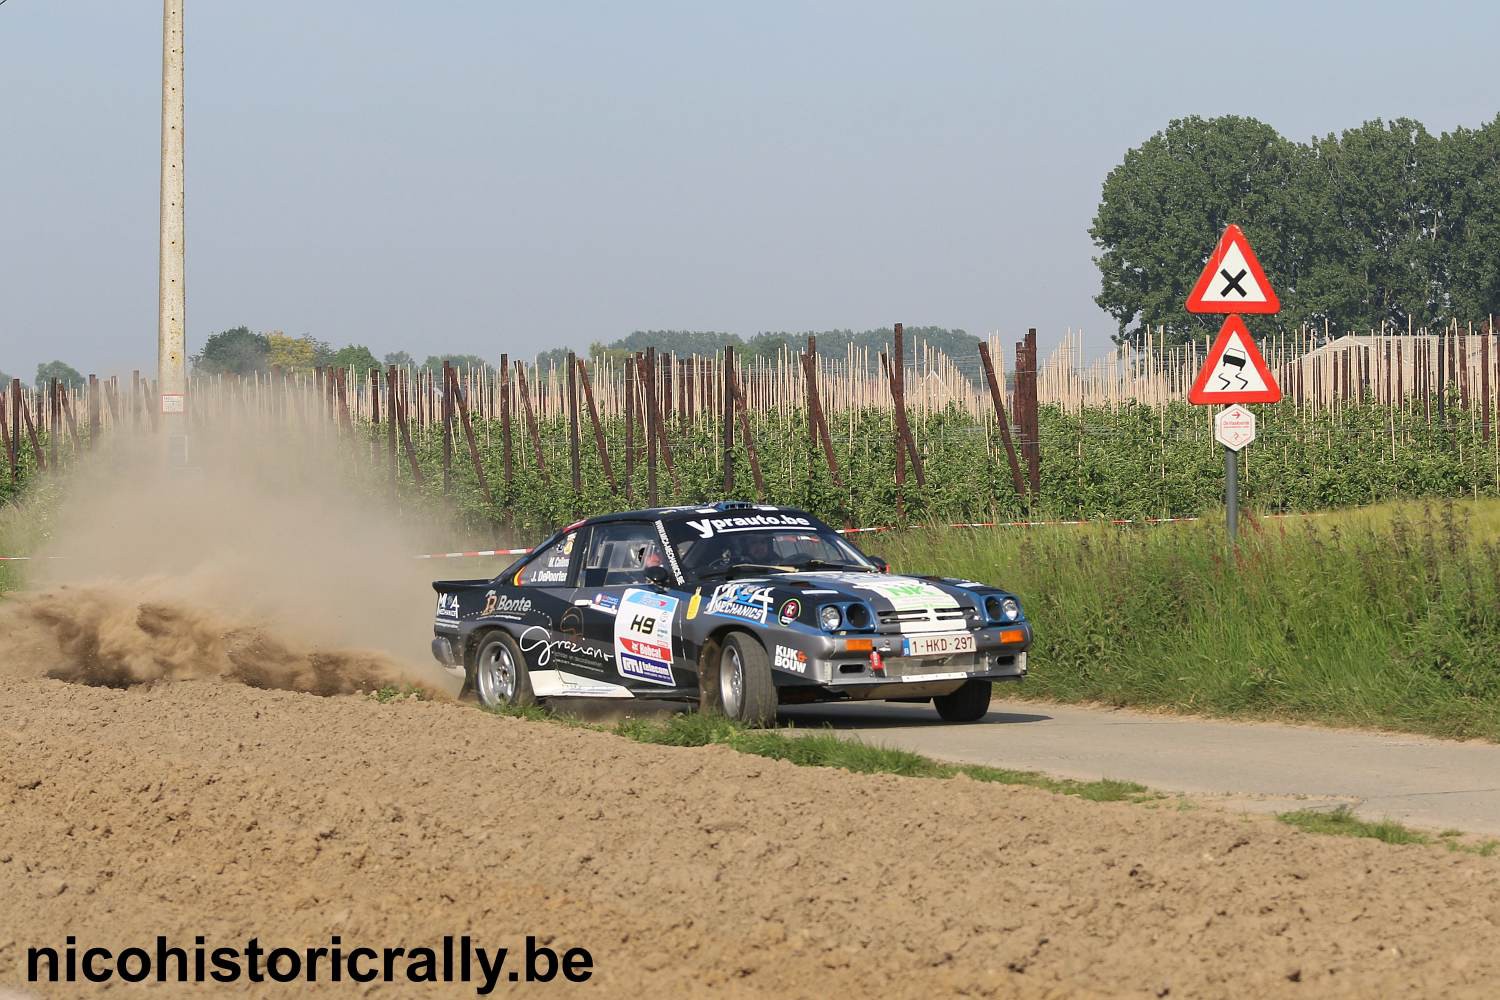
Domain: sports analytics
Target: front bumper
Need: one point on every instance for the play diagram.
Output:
(839, 662)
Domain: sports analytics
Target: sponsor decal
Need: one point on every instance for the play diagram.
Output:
(608, 603)
(567, 549)
(447, 606)
(504, 606)
(709, 527)
(791, 659)
(693, 603)
(744, 601)
(539, 647)
(549, 576)
(790, 612)
(643, 636)
(903, 593)
(666, 546)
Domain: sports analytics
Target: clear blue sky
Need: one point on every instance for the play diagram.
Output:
(480, 177)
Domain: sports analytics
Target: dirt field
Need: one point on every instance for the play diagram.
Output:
(205, 807)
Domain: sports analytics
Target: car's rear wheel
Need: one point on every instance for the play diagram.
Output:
(498, 677)
(737, 681)
(968, 704)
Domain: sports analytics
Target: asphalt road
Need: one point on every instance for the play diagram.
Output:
(1429, 783)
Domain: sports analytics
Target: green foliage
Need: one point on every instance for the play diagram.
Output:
(237, 351)
(69, 376)
(1382, 622)
(1342, 822)
(831, 343)
(400, 359)
(355, 356)
(434, 362)
(1379, 224)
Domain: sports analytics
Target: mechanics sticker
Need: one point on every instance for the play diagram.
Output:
(790, 612)
(670, 550)
(447, 606)
(643, 636)
(744, 601)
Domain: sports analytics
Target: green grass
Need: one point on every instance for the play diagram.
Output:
(1387, 618)
(1342, 822)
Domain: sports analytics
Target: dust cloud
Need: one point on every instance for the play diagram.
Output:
(272, 561)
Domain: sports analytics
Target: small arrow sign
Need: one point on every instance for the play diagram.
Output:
(1233, 281)
(1234, 371)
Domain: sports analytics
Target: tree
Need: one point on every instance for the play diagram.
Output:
(1164, 207)
(5, 381)
(355, 356)
(292, 354)
(434, 362)
(1469, 211)
(400, 359)
(58, 370)
(1376, 252)
(236, 351)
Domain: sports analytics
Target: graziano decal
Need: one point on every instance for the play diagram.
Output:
(505, 607)
(791, 659)
(708, 527)
(790, 612)
(540, 648)
(744, 601)
(643, 636)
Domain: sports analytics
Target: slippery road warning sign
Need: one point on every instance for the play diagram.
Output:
(1234, 371)
(1232, 281)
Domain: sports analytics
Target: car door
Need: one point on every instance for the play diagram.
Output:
(550, 631)
(626, 617)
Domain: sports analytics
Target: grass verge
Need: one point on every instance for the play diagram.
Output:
(1387, 618)
(1342, 822)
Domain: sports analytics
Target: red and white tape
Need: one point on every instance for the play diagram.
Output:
(481, 552)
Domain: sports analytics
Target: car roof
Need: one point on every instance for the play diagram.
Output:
(689, 511)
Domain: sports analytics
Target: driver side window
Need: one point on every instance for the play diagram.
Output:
(619, 553)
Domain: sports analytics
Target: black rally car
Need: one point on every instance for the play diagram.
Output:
(736, 606)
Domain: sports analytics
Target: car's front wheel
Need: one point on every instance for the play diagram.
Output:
(737, 681)
(498, 677)
(967, 704)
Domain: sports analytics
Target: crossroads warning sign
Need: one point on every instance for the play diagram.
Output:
(1233, 281)
(1234, 372)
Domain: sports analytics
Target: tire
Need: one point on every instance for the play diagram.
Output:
(968, 704)
(497, 677)
(736, 681)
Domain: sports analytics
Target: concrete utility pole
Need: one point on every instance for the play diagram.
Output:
(171, 344)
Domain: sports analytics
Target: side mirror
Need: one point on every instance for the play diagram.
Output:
(880, 564)
(658, 576)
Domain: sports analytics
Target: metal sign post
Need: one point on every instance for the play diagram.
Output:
(1234, 427)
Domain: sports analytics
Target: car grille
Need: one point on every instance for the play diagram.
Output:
(923, 620)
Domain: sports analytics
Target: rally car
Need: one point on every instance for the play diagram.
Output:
(737, 607)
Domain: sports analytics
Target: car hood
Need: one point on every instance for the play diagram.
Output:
(884, 591)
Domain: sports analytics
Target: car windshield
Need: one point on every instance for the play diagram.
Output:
(718, 544)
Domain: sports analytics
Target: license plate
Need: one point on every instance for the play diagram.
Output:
(943, 644)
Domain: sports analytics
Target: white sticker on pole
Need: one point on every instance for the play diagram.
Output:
(173, 402)
(1234, 427)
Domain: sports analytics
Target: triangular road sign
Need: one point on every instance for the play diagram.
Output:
(1232, 281)
(1234, 371)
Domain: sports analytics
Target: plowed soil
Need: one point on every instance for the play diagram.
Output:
(210, 808)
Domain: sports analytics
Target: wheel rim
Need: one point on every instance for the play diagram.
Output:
(731, 681)
(495, 676)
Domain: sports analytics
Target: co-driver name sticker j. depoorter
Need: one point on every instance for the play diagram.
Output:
(643, 636)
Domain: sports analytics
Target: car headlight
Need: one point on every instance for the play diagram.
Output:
(1010, 609)
(830, 618)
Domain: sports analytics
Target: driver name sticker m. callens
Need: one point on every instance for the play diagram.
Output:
(643, 636)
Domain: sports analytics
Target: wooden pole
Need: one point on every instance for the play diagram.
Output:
(506, 461)
(573, 465)
(530, 417)
(999, 405)
(896, 374)
(817, 426)
(727, 443)
(656, 432)
(462, 405)
(741, 410)
(411, 453)
(631, 363)
(600, 445)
